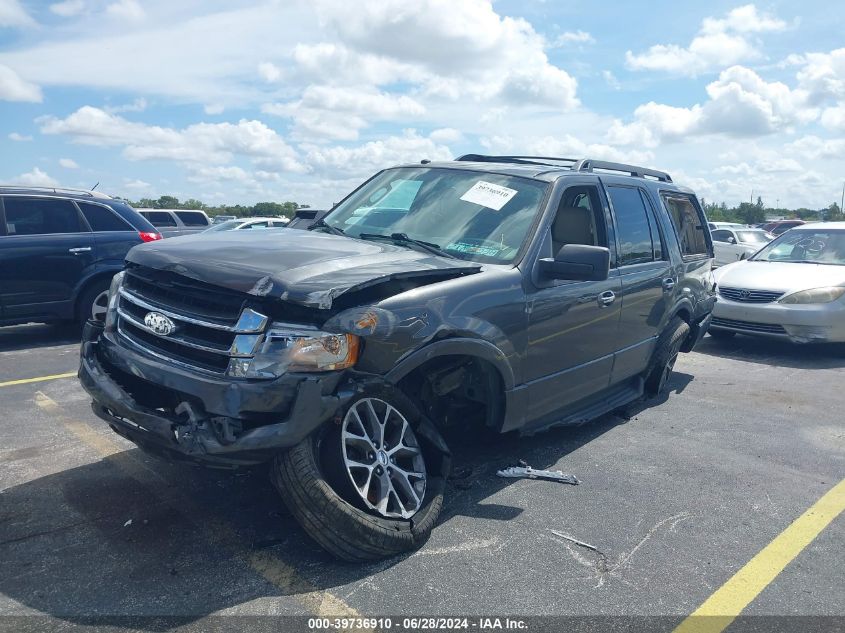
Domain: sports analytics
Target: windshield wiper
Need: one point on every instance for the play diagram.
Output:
(404, 238)
(322, 224)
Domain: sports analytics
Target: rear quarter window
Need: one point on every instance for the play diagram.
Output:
(102, 219)
(192, 218)
(689, 223)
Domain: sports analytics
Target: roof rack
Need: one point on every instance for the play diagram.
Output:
(85, 192)
(575, 164)
(589, 164)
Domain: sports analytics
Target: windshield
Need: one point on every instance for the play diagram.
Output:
(469, 215)
(753, 237)
(225, 226)
(821, 246)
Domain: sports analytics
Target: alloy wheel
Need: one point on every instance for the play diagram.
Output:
(383, 458)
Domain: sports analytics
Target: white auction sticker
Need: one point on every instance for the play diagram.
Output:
(489, 195)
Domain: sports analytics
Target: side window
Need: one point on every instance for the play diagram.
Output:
(256, 225)
(633, 229)
(192, 218)
(102, 219)
(278, 224)
(41, 216)
(579, 219)
(721, 235)
(160, 218)
(688, 221)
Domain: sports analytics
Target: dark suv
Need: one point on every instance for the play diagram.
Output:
(59, 249)
(514, 293)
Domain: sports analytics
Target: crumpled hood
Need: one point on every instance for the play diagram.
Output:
(780, 276)
(303, 267)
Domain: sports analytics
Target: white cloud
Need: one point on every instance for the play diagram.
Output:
(365, 159)
(138, 105)
(815, 148)
(446, 135)
(36, 178)
(720, 42)
(214, 108)
(340, 112)
(68, 8)
(455, 49)
(126, 10)
(14, 88)
(13, 14)
(566, 146)
(136, 184)
(611, 80)
(741, 104)
(573, 37)
(269, 72)
(822, 75)
(68, 163)
(200, 143)
(19, 138)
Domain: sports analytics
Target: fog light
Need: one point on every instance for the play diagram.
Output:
(238, 367)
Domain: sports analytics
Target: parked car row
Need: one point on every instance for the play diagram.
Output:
(59, 249)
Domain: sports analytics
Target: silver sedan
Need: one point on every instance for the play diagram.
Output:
(793, 289)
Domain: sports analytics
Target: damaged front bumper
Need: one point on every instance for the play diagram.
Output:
(179, 414)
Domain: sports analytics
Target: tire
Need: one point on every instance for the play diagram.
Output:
(722, 335)
(317, 486)
(668, 348)
(93, 301)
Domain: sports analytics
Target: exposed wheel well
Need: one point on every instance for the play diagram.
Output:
(457, 390)
(684, 314)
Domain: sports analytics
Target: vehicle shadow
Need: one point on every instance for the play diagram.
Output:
(70, 550)
(774, 352)
(37, 335)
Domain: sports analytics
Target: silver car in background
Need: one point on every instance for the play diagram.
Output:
(793, 289)
(732, 244)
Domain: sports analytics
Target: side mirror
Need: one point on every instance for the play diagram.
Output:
(731, 240)
(577, 262)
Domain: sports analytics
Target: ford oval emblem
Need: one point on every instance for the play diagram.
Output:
(159, 324)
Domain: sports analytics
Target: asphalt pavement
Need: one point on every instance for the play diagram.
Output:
(675, 497)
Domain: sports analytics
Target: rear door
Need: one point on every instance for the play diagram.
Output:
(646, 275)
(46, 251)
(113, 235)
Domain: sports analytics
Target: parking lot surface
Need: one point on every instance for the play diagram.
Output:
(673, 501)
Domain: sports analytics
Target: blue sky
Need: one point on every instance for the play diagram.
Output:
(250, 101)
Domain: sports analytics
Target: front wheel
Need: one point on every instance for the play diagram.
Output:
(370, 487)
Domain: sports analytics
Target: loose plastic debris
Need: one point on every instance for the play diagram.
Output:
(128, 523)
(524, 471)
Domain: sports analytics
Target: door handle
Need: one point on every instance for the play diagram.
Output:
(606, 298)
(668, 284)
(81, 249)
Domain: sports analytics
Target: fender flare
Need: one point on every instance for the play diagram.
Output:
(455, 346)
(95, 275)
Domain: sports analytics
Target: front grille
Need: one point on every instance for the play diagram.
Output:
(212, 325)
(748, 326)
(743, 295)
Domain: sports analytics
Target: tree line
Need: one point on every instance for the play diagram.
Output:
(286, 209)
(757, 213)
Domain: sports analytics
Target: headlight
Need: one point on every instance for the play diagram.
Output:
(291, 350)
(816, 295)
(114, 291)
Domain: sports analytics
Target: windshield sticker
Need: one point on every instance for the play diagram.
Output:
(473, 249)
(489, 195)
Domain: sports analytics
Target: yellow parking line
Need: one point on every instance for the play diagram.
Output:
(721, 608)
(275, 571)
(26, 381)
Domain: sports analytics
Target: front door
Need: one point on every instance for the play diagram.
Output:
(572, 325)
(45, 252)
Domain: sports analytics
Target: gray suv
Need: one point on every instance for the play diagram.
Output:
(513, 293)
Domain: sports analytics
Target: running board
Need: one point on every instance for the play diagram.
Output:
(594, 407)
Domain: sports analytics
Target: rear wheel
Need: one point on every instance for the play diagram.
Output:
(94, 302)
(665, 356)
(370, 487)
